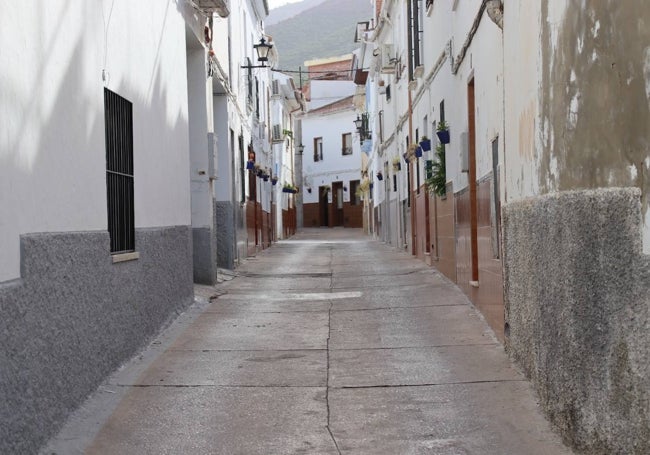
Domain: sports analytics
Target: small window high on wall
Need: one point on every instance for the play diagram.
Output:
(346, 144)
(318, 149)
(118, 118)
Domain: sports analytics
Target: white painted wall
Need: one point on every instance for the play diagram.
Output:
(322, 93)
(335, 166)
(52, 155)
(521, 99)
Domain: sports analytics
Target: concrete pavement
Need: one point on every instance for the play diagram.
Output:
(328, 343)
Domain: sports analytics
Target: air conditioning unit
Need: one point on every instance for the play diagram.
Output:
(387, 58)
(277, 133)
(275, 87)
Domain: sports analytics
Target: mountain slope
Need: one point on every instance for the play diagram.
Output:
(289, 10)
(325, 30)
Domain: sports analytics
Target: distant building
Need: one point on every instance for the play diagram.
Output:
(331, 164)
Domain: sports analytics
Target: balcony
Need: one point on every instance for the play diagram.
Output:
(220, 7)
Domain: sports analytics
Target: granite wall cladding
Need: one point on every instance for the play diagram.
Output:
(577, 314)
(224, 213)
(74, 317)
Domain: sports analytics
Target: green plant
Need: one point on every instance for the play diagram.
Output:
(437, 182)
(288, 133)
(442, 126)
(363, 187)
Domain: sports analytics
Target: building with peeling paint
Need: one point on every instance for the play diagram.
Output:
(576, 225)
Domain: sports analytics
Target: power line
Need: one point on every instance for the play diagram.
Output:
(306, 71)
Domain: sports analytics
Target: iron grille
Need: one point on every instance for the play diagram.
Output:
(118, 113)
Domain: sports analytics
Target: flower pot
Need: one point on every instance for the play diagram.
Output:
(426, 145)
(286, 190)
(443, 135)
(418, 152)
(250, 165)
(380, 176)
(274, 181)
(265, 178)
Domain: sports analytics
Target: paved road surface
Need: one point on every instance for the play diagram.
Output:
(329, 343)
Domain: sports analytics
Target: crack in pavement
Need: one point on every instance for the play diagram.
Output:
(430, 346)
(223, 386)
(433, 384)
(395, 307)
(327, 387)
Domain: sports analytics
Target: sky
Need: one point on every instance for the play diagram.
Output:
(275, 3)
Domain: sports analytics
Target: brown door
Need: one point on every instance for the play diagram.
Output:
(323, 205)
(337, 204)
(473, 206)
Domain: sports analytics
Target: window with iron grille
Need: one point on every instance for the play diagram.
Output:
(118, 115)
(346, 144)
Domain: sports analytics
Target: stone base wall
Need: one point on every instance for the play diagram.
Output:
(204, 248)
(577, 296)
(74, 317)
(224, 213)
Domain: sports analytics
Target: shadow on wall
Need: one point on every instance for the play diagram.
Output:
(74, 317)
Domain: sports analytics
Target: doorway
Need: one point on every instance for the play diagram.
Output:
(337, 204)
(473, 205)
(323, 205)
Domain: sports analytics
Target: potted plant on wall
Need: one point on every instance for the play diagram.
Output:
(364, 187)
(325, 189)
(250, 165)
(425, 144)
(380, 176)
(443, 132)
(437, 182)
(397, 166)
(274, 180)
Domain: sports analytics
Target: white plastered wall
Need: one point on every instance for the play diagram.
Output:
(52, 149)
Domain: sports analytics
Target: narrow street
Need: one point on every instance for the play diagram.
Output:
(328, 343)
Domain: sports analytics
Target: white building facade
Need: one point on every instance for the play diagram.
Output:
(331, 162)
(95, 200)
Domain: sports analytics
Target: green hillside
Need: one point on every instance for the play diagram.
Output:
(325, 30)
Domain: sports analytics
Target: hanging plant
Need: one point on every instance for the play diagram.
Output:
(418, 152)
(437, 181)
(250, 164)
(274, 181)
(380, 176)
(364, 187)
(325, 189)
(443, 132)
(425, 144)
(397, 166)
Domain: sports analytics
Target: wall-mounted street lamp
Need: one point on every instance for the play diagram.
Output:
(300, 148)
(358, 123)
(361, 123)
(262, 49)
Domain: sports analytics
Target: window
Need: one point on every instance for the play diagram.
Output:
(388, 92)
(414, 36)
(252, 181)
(257, 99)
(249, 83)
(118, 118)
(355, 199)
(318, 149)
(346, 142)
